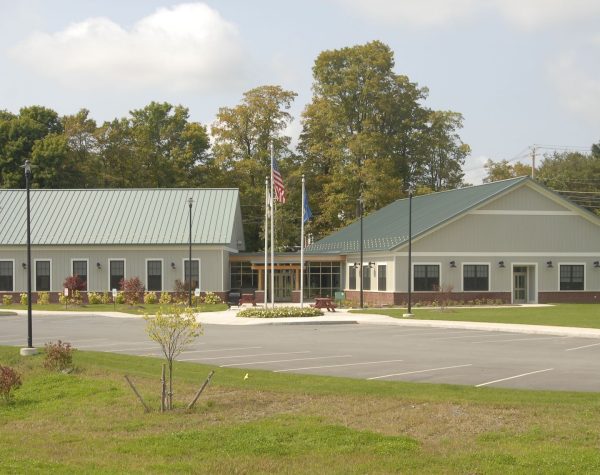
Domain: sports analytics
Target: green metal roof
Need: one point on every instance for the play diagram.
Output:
(119, 216)
(387, 228)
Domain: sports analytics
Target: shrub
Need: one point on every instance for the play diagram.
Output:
(59, 356)
(43, 298)
(280, 312)
(212, 299)
(150, 298)
(73, 283)
(165, 298)
(94, 298)
(23, 298)
(7, 300)
(9, 381)
(105, 297)
(181, 292)
(133, 290)
(120, 298)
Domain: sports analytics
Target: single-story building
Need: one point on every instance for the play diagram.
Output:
(104, 236)
(512, 240)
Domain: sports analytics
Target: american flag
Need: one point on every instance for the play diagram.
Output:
(277, 182)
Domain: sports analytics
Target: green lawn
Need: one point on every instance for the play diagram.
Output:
(90, 422)
(124, 308)
(564, 315)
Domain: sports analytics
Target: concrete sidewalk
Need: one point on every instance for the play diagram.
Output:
(228, 317)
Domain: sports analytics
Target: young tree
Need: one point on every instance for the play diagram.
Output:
(173, 329)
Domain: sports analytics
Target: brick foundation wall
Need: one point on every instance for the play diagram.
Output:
(569, 297)
(401, 298)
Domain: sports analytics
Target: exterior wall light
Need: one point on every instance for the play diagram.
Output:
(173, 265)
(549, 265)
(452, 264)
(98, 265)
(501, 264)
(24, 265)
(596, 263)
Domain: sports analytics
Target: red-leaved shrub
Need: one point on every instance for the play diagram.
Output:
(133, 290)
(9, 381)
(59, 356)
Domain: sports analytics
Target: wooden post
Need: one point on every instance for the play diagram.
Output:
(191, 404)
(137, 394)
(163, 383)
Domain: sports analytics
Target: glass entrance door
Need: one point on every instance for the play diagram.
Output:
(520, 285)
(284, 280)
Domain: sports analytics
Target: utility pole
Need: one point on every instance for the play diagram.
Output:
(533, 162)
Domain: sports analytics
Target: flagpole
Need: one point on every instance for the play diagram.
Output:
(265, 285)
(302, 248)
(272, 234)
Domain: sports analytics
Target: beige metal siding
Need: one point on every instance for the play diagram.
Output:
(524, 198)
(211, 265)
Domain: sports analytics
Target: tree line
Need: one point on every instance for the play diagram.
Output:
(366, 132)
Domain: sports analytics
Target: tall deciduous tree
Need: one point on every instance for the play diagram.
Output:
(366, 132)
(242, 138)
(503, 170)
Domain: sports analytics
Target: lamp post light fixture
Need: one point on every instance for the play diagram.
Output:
(30, 350)
(190, 202)
(409, 310)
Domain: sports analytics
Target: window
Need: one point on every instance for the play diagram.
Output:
(381, 278)
(352, 277)
(42, 276)
(426, 278)
(195, 273)
(366, 277)
(154, 280)
(571, 277)
(476, 277)
(80, 268)
(117, 273)
(242, 276)
(321, 279)
(6, 276)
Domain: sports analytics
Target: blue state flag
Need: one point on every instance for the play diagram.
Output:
(307, 213)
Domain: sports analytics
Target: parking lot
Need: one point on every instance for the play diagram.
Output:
(374, 352)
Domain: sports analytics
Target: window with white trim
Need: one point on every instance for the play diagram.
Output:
(80, 269)
(42, 276)
(352, 277)
(476, 277)
(426, 277)
(6, 276)
(572, 277)
(195, 273)
(366, 283)
(154, 270)
(117, 273)
(381, 278)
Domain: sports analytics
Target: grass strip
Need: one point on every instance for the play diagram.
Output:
(89, 421)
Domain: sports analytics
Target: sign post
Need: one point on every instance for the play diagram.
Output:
(114, 296)
(66, 294)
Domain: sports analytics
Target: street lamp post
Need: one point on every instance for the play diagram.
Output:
(190, 201)
(360, 210)
(409, 310)
(30, 350)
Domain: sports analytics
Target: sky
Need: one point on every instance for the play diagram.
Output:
(522, 72)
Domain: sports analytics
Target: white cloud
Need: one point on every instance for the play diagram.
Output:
(525, 14)
(188, 47)
(577, 80)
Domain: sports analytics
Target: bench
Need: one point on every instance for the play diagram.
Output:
(324, 302)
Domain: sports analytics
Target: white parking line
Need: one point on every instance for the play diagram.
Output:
(476, 335)
(335, 365)
(513, 377)
(284, 361)
(434, 333)
(85, 347)
(580, 347)
(244, 356)
(420, 371)
(223, 349)
(523, 339)
(145, 348)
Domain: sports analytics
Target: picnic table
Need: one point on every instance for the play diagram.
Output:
(325, 302)
(247, 298)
